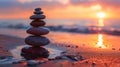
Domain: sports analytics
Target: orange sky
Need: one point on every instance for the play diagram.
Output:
(58, 9)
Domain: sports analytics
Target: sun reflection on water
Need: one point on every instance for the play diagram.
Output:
(101, 22)
(100, 42)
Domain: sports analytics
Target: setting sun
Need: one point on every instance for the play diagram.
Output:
(101, 15)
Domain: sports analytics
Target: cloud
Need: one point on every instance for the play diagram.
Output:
(55, 4)
(82, 2)
(18, 7)
(105, 3)
(57, 7)
(28, 5)
(60, 1)
(31, 4)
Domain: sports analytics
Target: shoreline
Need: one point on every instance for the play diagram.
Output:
(10, 42)
(10, 39)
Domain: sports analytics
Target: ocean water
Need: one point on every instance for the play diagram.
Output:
(108, 23)
(77, 39)
(82, 40)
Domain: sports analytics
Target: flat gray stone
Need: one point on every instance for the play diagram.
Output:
(38, 31)
(32, 62)
(37, 23)
(37, 40)
(37, 9)
(34, 52)
(37, 16)
(38, 12)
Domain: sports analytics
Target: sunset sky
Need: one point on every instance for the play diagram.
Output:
(58, 9)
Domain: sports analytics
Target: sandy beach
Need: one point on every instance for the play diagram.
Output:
(101, 59)
(59, 33)
(7, 43)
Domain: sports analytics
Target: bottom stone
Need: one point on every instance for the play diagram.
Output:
(30, 53)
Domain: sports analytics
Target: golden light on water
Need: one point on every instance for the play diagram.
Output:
(100, 42)
(101, 22)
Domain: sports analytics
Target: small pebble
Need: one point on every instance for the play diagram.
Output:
(113, 48)
(93, 63)
(86, 62)
(50, 59)
(58, 57)
(32, 62)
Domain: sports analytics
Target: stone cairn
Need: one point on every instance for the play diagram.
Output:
(36, 40)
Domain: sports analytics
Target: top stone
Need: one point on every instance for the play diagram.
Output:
(37, 9)
(38, 14)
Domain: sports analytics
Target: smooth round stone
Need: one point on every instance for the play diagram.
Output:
(37, 9)
(31, 56)
(34, 52)
(38, 31)
(37, 23)
(37, 16)
(38, 12)
(37, 40)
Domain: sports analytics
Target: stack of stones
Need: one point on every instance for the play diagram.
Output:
(36, 40)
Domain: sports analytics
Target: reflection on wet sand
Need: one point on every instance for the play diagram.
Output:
(100, 42)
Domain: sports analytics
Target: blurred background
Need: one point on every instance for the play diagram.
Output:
(63, 12)
(83, 17)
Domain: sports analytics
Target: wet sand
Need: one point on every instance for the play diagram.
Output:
(111, 59)
(7, 43)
